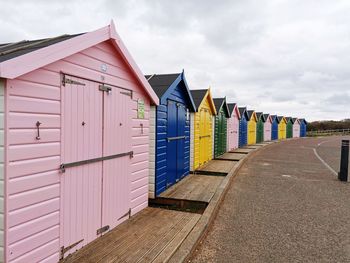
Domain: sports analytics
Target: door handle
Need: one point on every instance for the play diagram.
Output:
(175, 138)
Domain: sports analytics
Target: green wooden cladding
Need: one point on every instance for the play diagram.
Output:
(220, 133)
(259, 131)
(289, 129)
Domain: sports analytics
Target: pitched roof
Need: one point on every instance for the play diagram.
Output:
(198, 96)
(218, 103)
(294, 119)
(303, 120)
(266, 116)
(29, 56)
(274, 117)
(250, 114)
(260, 115)
(289, 119)
(161, 82)
(12, 50)
(231, 106)
(279, 118)
(242, 110)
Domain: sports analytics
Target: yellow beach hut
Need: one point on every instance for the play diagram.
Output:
(201, 135)
(252, 120)
(282, 127)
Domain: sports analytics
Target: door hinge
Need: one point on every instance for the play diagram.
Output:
(104, 88)
(102, 230)
(66, 80)
(126, 214)
(65, 249)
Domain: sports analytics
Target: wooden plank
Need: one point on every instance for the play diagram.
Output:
(102, 245)
(217, 166)
(139, 239)
(172, 246)
(241, 150)
(231, 156)
(161, 242)
(197, 187)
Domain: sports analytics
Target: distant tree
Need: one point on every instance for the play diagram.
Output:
(328, 125)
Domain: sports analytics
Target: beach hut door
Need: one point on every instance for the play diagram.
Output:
(175, 142)
(96, 160)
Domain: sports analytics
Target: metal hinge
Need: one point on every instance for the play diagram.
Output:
(65, 249)
(102, 230)
(65, 81)
(104, 88)
(126, 214)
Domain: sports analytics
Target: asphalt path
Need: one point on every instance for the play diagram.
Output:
(285, 205)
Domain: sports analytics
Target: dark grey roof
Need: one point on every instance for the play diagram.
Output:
(218, 103)
(242, 110)
(289, 119)
(279, 118)
(161, 82)
(266, 115)
(231, 107)
(274, 117)
(12, 50)
(260, 115)
(250, 114)
(303, 120)
(198, 96)
(294, 120)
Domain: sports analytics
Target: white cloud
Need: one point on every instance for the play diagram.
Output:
(288, 57)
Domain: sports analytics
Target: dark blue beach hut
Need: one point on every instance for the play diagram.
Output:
(303, 124)
(243, 127)
(274, 127)
(169, 131)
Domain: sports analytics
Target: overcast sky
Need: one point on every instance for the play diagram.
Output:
(277, 56)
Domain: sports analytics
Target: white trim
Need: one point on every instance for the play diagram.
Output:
(2, 198)
(191, 140)
(152, 152)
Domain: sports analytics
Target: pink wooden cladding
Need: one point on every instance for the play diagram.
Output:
(296, 129)
(116, 172)
(232, 132)
(81, 186)
(267, 129)
(36, 178)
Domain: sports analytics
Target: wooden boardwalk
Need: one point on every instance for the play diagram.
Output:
(231, 156)
(194, 187)
(216, 166)
(241, 150)
(150, 236)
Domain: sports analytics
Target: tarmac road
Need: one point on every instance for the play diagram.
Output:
(285, 205)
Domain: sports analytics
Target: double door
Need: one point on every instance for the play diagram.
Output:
(176, 138)
(220, 134)
(205, 136)
(96, 160)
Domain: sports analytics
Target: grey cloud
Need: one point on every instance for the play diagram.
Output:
(281, 56)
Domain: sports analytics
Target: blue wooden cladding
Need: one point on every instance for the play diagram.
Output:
(172, 130)
(243, 127)
(274, 127)
(303, 124)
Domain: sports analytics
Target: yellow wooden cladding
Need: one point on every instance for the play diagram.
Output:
(252, 129)
(203, 136)
(282, 129)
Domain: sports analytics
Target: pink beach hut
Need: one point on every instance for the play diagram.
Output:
(267, 127)
(74, 133)
(233, 127)
(296, 128)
